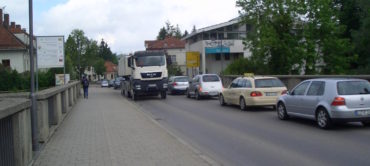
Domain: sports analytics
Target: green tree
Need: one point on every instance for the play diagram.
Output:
(273, 41)
(162, 34)
(295, 36)
(106, 53)
(361, 39)
(169, 30)
(75, 49)
(99, 67)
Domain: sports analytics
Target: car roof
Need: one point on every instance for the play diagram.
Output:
(259, 77)
(336, 79)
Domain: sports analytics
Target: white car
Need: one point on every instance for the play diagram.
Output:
(104, 83)
(205, 85)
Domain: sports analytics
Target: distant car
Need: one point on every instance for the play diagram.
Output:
(104, 83)
(253, 91)
(178, 84)
(111, 83)
(328, 101)
(205, 85)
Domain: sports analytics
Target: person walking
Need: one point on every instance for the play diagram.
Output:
(85, 85)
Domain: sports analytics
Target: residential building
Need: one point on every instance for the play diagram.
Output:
(175, 49)
(14, 43)
(218, 45)
(90, 74)
(110, 70)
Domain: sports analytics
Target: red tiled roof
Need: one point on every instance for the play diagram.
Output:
(8, 40)
(110, 67)
(168, 43)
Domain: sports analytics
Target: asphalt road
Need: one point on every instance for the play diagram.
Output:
(257, 137)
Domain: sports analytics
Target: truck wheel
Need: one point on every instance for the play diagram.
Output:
(163, 95)
(134, 96)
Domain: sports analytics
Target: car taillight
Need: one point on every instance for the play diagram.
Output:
(338, 101)
(200, 88)
(284, 92)
(255, 94)
(174, 84)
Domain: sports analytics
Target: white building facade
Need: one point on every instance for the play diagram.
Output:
(219, 45)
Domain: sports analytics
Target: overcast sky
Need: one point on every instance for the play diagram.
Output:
(124, 24)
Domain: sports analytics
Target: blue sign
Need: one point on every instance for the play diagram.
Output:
(216, 50)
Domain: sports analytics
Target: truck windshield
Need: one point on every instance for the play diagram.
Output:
(142, 61)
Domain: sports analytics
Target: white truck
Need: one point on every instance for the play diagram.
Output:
(145, 74)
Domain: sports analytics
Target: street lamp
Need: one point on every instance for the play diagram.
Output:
(35, 144)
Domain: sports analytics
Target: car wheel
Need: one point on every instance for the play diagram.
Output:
(281, 111)
(221, 99)
(197, 95)
(322, 118)
(366, 123)
(242, 104)
(163, 95)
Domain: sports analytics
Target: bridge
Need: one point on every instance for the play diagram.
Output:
(109, 129)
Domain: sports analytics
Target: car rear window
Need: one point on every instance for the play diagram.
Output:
(353, 87)
(182, 79)
(210, 78)
(268, 83)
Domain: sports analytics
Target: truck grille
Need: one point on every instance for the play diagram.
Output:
(151, 75)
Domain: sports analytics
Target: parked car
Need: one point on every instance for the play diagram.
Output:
(178, 84)
(104, 83)
(117, 82)
(253, 91)
(111, 83)
(328, 101)
(205, 85)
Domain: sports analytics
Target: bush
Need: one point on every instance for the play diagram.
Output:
(12, 81)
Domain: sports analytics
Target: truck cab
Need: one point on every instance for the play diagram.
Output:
(147, 74)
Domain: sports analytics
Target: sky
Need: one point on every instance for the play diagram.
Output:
(123, 24)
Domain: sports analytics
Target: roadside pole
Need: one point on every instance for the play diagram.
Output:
(35, 144)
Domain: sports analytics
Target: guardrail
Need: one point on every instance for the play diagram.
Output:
(291, 81)
(15, 120)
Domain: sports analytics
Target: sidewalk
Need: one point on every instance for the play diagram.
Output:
(109, 130)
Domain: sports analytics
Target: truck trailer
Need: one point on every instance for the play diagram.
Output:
(145, 74)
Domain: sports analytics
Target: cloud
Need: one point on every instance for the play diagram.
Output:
(126, 24)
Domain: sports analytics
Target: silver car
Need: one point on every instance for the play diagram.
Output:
(328, 101)
(204, 85)
(178, 84)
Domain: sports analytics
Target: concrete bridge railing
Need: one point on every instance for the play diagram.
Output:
(292, 80)
(15, 120)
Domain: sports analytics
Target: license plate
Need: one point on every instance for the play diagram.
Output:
(213, 93)
(152, 85)
(363, 112)
(271, 93)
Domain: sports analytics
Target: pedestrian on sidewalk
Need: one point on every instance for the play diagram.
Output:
(85, 85)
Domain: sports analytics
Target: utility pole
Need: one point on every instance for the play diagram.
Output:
(35, 139)
(79, 61)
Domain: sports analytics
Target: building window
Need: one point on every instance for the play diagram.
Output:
(218, 57)
(6, 63)
(227, 57)
(173, 59)
(111, 76)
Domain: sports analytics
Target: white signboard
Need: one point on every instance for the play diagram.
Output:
(59, 79)
(50, 51)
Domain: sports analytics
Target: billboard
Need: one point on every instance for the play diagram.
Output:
(192, 59)
(50, 51)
